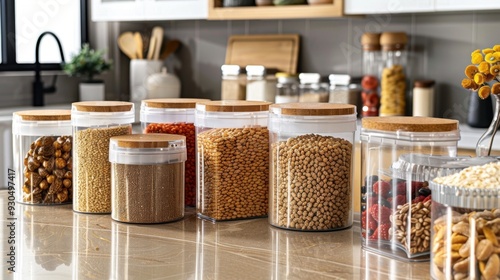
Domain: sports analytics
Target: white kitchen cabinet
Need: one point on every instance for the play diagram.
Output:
(354, 7)
(144, 10)
(463, 5)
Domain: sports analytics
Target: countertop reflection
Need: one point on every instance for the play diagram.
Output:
(53, 242)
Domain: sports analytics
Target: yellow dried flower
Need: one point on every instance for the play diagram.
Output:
(495, 89)
(484, 67)
(467, 83)
(476, 58)
(488, 50)
(496, 48)
(495, 70)
(492, 57)
(470, 71)
(475, 51)
(484, 92)
(489, 78)
(479, 78)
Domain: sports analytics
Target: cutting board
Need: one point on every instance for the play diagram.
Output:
(272, 51)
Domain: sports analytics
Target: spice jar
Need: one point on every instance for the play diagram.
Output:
(393, 79)
(311, 148)
(287, 88)
(233, 159)
(261, 83)
(393, 197)
(371, 67)
(43, 151)
(233, 83)
(311, 89)
(175, 116)
(94, 123)
(466, 224)
(345, 89)
(147, 177)
(423, 98)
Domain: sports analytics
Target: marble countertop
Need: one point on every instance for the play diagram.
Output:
(53, 242)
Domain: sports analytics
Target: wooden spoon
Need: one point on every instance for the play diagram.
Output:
(157, 34)
(138, 44)
(126, 43)
(152, 46)
(170, 48)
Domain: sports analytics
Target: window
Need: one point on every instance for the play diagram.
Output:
(22, 21)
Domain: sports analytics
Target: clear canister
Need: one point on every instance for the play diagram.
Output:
(393, 77)
(372, 63)
(465, 228)
(311, 172)
(233, 82)
(311, 89)
(261, 83)
(94, 123)
(233, 159)
(147, 177)
(287, 88)
(175, 116)
(392, 199)
(43, 152)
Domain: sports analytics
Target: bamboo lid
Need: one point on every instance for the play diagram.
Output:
(411, 124)
(371, 41)
(393, 40)
(152, 140)
(44, 115)
(173, 103)
(233, 106)
(312, 109)
(102, 106)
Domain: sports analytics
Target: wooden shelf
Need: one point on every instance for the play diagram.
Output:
(217, 12)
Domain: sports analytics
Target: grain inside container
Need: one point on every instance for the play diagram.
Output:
(311, 172)
(233, 159)
(94, 123)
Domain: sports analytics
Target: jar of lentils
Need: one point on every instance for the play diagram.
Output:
(465, 230)
(311, 146)
(395, 203)
(147, 177)
(233, 159)
(175, 116)
(94, 123)
(43, 151)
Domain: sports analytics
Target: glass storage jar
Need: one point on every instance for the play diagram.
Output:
(465, 228)
(233, 83)
(147, 177)
(423, 98)
(311, 181)
(261, 83)
(345, 89)
(393, 78)
(372, 63)
(43, 156)
(233, 159)
(175, 116)
(392, 197)
(94, 123)
(311, 89)
(287, 88)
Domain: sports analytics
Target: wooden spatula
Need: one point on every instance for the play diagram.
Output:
(157, 34)
(126, 43)
(170, 48)
(139, 45)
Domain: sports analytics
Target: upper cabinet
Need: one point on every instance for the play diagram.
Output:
(356, 7)
(462, 5)
(143, 10)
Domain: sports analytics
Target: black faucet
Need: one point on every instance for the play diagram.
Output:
(38, 89)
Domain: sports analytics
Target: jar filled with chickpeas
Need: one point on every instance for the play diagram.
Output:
(465, 229)
(43, 156)
(396, 166)
(233, 159)
(175, 116)
(311, 146)
(94, 123)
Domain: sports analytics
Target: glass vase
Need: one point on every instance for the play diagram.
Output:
(485, 143)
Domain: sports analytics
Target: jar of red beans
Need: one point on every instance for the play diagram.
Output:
(175, 116)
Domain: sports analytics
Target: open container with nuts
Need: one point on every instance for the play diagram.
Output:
(233, 159)
(175, 116)
(466, 224)
(94, 123)
(311, 146)
(395, 205)
(43, 152)
(147, 177)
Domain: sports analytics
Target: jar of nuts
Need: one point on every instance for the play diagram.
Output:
(147, 177)
(465, 227)
(395, 195)
(311, 146)
(94, 123)
(175, 116)
(233, 159)
(43, 151)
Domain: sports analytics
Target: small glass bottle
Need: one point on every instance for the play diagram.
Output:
(312, 89)
(423, 98)
(371, 68)
(233, 83)
(261, 83)
(393, 77)
(287, 88)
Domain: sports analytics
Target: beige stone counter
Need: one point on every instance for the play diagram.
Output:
(53, 242)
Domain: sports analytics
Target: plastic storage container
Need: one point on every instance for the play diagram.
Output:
(287, 88)
(147, 177)
(311, 89)
(233, 83)
(94, 123)
(43, 156)
(372, 62)
(233, 159)
(175, 116)
(393, 78)
(392, 194)
(312, 153)
(261, 83)
(465, 229)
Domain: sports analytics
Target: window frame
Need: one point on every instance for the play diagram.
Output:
(9, 51)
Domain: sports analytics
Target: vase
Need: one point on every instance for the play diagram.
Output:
(91, 91)
(485, 143)
(480, 111)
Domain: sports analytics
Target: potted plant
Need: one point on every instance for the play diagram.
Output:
(87, 64)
